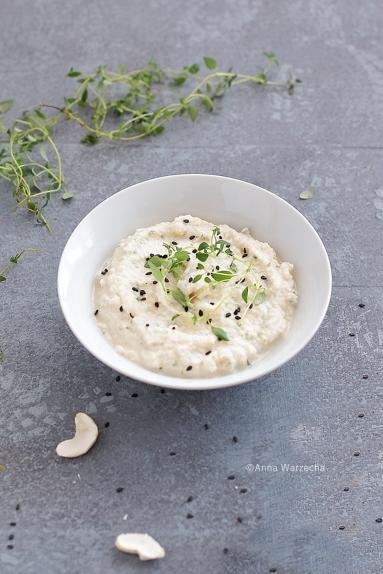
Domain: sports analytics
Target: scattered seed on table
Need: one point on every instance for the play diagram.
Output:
(243, 491)
(190, 499)
(134, 395)
(9, 546)
(162, 391)
(118, 378)
(206, 426)
(119, 489)
(364, 376)
(106, 425)
(351, 334)
(12, 524)
(189, 515)
(11, 537)
(172, 453)
(361, 305)
(225, 550)
(342, 527)
(231, 477)
(346, 489)
(239, 519)
(360, 415)
(235, 439)
(356, 453)
(108, 394)
(379, 520)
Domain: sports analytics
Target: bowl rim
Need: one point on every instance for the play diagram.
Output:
(208, 383)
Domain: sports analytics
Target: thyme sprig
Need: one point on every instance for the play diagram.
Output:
(115, 105)
(13, 260)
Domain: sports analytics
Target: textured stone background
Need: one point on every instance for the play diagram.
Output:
(329, 133)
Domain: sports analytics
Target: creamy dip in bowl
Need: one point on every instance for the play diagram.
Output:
(288, 307)
(191, 299)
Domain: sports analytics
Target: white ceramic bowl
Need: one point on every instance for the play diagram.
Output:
(216, 199)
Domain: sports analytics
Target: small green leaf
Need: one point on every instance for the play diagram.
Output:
(157, 273)
(202, 246)
(40, 114)
(5, 105)
(201, 256)
(90, 139)
(272, 57)
(224, 275)
(245, 294)
(84, 97)
(2, 278)
(207, 102)
(192, 111)
(197, 278)
(220, 334)
(179, 80)
(175, 316)
(67, 195)
(73, 73)
(43, 152)
(210, 62)
(260, 297)
(193, 69)
(200, 266)
(180, 297)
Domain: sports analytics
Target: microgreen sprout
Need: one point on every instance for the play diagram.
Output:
(13, 260)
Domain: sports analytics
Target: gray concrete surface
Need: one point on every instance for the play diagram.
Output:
(67, 513)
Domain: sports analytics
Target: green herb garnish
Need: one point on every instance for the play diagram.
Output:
(181, 298)
(112, 105)
(12, 261)
(220, 334)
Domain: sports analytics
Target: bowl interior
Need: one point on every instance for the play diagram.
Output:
(216, 199)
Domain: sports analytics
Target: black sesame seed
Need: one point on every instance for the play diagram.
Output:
(142, 292)
(361, 305)
(207, 353)
(273, 570)
(131, 315)
(162, 391)
(217, 267)
(228, 315)
(121, 308)
(194, 251)
(264, 277)
(243, 491)
(206, 426)
(225, 550)
(237, 317)
(342, 527)
(186, 308)
(360, 415)
(173, 328)
(108, 394)
(12, 524)
(134, 395)
(155, 282)
(351, 334)
(172, 453)
(244, 255)
(220, 236)
(239, 519)
(135, 289)
(189, 515)
(9, 546)
(251, 306)
(189, 499)
(11, 537)
(174, 242)
(143, 299)
(96, 312)
(189, 368)
(17, 507)
(119, 489)
(104, 272)
(200, 313)
(118, 378)
(231, 477)
(166, 280)
(212, 303)
(186, 221)
(356, 453)
(364, 376)
(346, 489)
(156, 304)
(379, 520)
(237, 310)
(235, 439)
(106, 425)
(192, 237)
(190, 279)
(147, 325)
(148, 273)
(244, 250)
(151, 255)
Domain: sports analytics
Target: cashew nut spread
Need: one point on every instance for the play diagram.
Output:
(85, 436)
(191, 299)
(141, 544)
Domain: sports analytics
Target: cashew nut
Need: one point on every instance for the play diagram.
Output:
(142, 544)
(85, 436)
